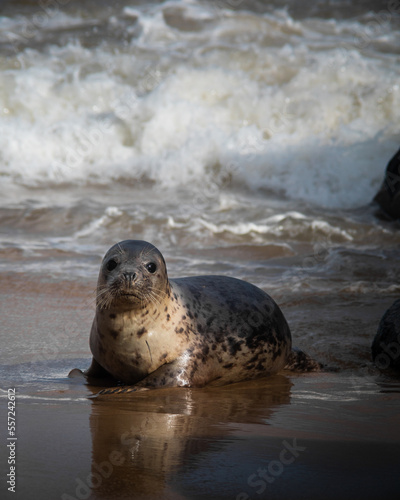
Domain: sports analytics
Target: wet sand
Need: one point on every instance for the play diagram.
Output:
(332, 435)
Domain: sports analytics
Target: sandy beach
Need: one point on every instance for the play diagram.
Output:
(311, 436)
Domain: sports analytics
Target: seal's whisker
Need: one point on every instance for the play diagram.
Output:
(154, 297)
(102, 293)
(89, 299)
(104, 296)
(155, 292)
(150, 299)
(119, 248)
(154, 301)
(146, 250)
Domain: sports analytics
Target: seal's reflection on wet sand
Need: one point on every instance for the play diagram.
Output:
(151, 435)
(258, 439)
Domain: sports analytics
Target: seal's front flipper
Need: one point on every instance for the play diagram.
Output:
(94, 375)
(96, 371)
(299, 361)
(115, 391)
(168, 375)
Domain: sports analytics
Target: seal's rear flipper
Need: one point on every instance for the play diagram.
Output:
(299, 361)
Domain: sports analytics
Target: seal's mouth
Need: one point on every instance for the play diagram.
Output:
(129, 294)
(110, 295)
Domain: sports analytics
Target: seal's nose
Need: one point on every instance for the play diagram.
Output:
(129, 278)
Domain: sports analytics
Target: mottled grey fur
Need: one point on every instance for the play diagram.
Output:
(386, 344)
(150, 331)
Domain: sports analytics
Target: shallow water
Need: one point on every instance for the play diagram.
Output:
(241, 138)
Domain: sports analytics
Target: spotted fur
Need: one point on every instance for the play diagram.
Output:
(151, 332)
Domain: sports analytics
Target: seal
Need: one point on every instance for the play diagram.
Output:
(150, 331)
(386, 344)
(388, 196)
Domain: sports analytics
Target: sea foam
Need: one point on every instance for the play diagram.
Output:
(263, 100)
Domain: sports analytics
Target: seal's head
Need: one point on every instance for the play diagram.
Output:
(132, 275)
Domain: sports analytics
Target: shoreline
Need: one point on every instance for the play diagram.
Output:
(342, 425)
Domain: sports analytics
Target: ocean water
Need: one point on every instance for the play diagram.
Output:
(244, 138)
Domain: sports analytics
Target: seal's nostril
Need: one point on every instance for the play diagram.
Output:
(129, 277)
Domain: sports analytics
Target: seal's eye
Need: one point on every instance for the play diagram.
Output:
(111, 264)
(151, 267)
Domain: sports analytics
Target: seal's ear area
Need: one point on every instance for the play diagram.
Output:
(163, 261)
